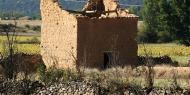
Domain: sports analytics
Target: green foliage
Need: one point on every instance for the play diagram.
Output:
(164, 37)
(35, 40)
(166, 21)
(9, 48)
(27, 26)
(41, 68)
(136, 10)
(117, 85)
(150, 15)
(133, 2)
(32, 40)
(53, 75)
(36, 28)
(181, 23)
(50, 76)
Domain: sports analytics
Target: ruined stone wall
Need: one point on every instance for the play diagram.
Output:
(105, 6)
(111, 4)
(59, 37)
(101, 5)
(96, 36)
(67, 38)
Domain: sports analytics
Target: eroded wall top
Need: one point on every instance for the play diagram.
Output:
(94, 8)
(107, 8)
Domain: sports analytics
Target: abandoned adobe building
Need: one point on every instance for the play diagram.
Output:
(100, 35)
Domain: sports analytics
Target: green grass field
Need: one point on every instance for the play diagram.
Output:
(164, 49)
(25, 48)
(178, 53)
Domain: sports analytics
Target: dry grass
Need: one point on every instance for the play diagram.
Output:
(163, 75)
(166, 72)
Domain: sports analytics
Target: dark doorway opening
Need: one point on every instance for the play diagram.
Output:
(108, 59)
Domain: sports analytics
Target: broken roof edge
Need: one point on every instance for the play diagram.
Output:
(84, 14)
(130, 16)
(106, 14)
(80, 14)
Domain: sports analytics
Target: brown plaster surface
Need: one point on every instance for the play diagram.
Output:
(96, 36)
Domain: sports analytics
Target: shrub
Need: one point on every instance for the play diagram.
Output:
(50, 76)
(34, 40)
(150, 37)
(164, 37)
(53, 75)
(36, 28)
(27, 26)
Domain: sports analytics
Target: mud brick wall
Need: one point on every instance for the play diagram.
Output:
(68, 40)
(96, 36)
(59, 37)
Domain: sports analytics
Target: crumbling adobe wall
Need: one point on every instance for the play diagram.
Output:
(101, 5)
(105, 5)
(96, 36)
(94, 5)
(68, 39)
(59, 37)
(111, 5)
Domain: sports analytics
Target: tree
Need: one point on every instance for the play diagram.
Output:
(8, 63)
(181, 21)
(136, 10)
(174, 21)
(167, 20)
(150, 17)
(164, 18)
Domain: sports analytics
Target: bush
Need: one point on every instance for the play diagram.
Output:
(34, 40)
(27, 26)
(150, 37)
(117, 85)
(53, 75)
(164, 37)
(153, 37)
(141, 36)
(184, 42)
(50, 76)
(36, 28)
